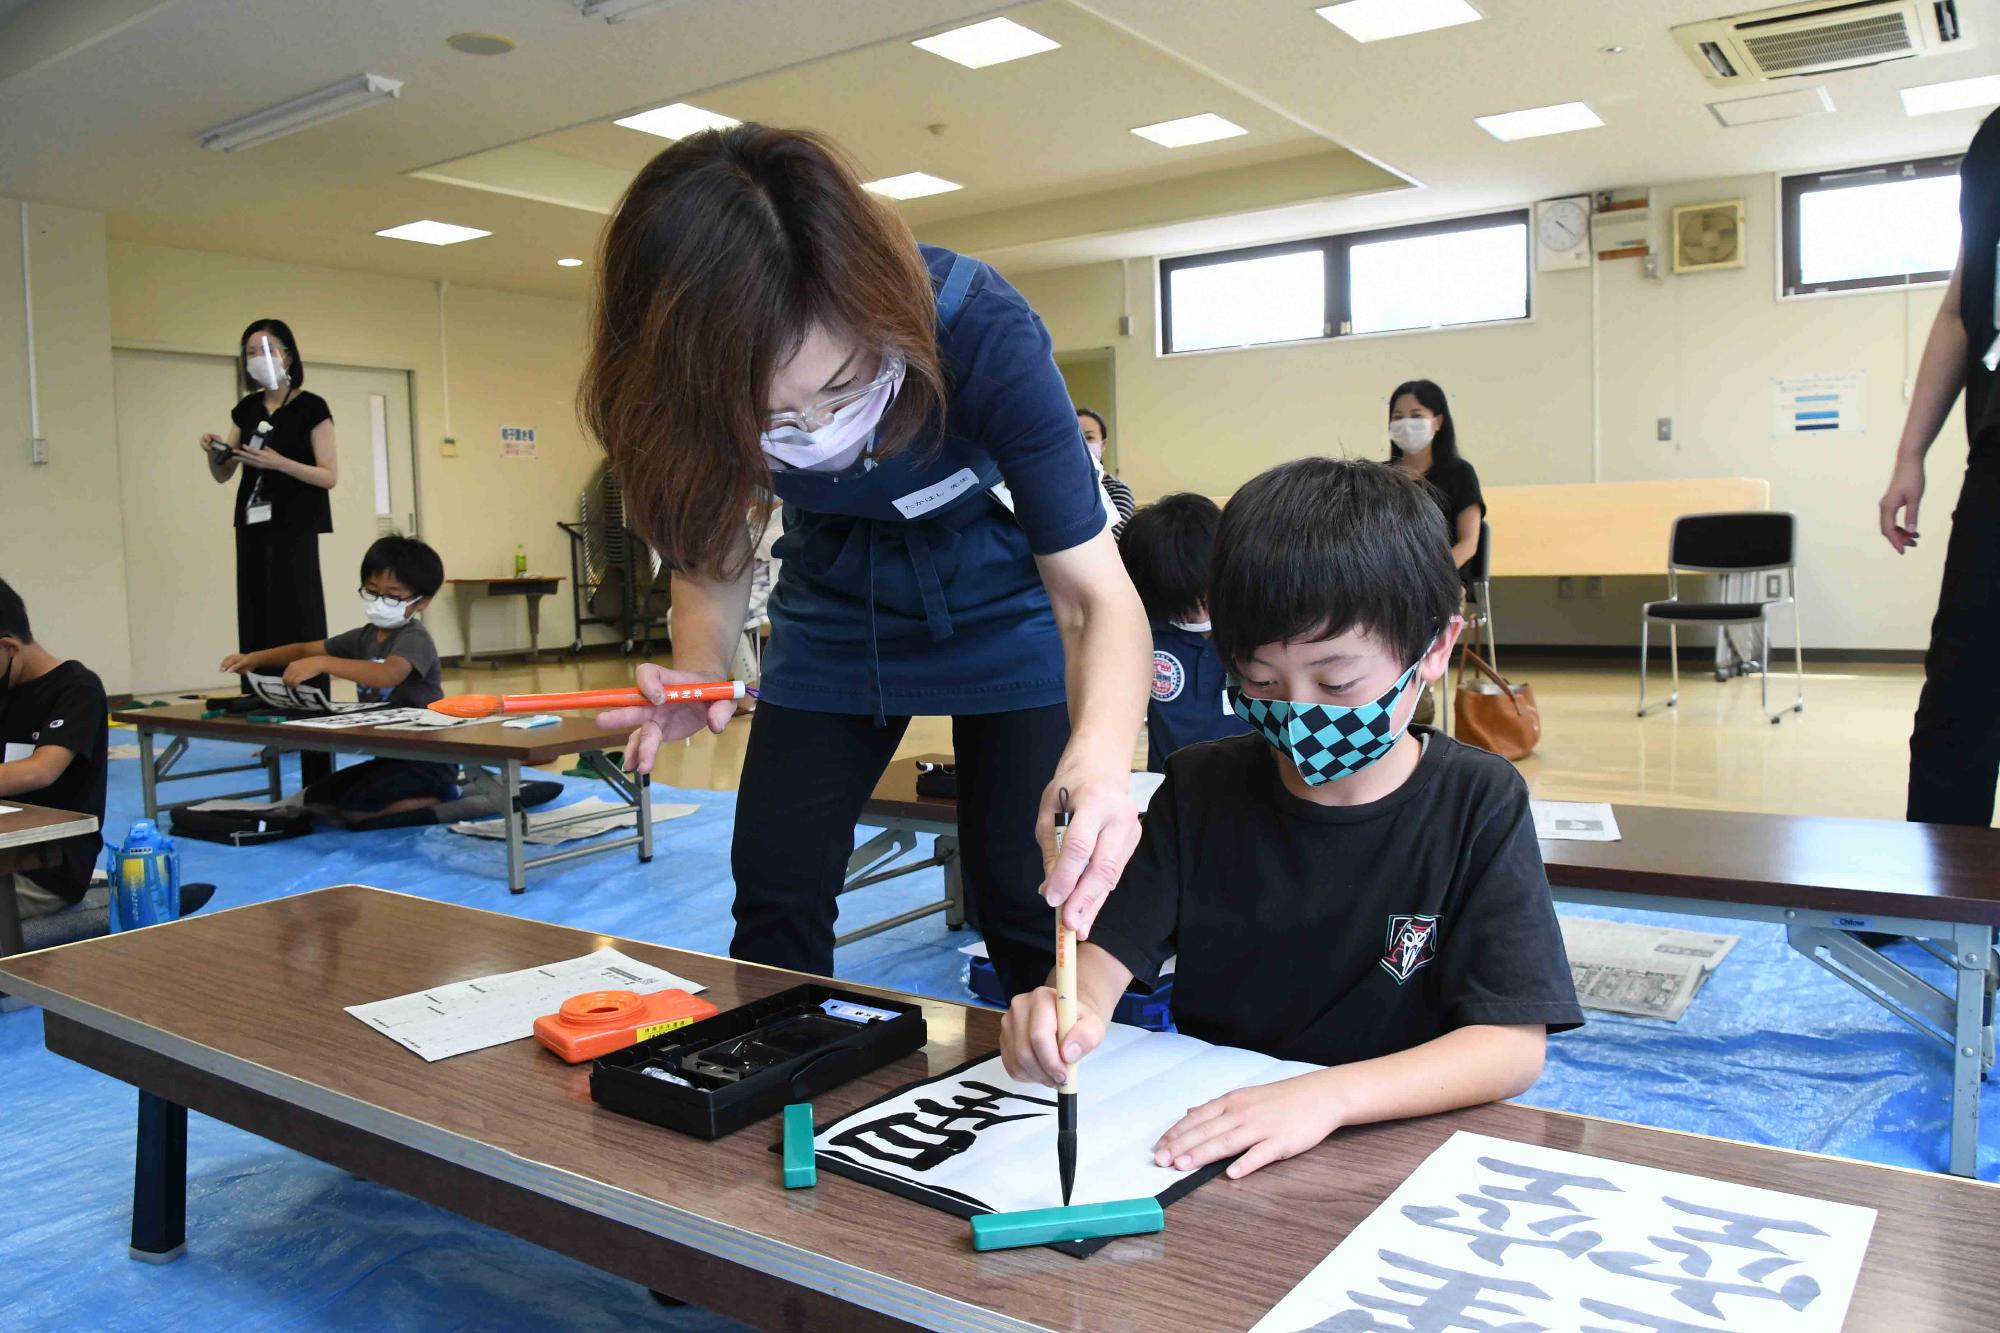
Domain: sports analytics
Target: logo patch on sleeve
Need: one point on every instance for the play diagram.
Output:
(1412, 943)
(1169, 677)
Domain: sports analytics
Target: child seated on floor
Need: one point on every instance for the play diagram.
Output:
(1340, 888)
(392, 659)
(1166, 548)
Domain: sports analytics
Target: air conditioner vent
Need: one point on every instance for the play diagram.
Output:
(1815, 38)
(1880, 37)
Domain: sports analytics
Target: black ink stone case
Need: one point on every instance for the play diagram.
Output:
(713, 1077)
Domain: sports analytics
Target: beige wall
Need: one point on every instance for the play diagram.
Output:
(61, 542)
(1701, 349)
(513, 360)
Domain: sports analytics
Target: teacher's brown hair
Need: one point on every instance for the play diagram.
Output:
(725, 251)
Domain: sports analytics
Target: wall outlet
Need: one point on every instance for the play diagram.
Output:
(1593, 587)
(1774, 585)
(1666, 430)
(1566, 590)
(450, 447)
(38, 452)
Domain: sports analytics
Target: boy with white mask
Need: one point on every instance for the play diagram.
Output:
(392, 659)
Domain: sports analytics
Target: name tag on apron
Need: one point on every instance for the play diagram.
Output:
(936, 495)
(256, 514)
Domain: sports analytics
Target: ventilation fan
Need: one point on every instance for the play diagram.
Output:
(1708, 236)
(1823, 35)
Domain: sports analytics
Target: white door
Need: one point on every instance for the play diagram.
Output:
(180, 549)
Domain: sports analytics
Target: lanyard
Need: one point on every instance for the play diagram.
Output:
(257, 485)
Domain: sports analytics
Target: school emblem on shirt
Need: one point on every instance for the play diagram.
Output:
(1169, 677)
(1412, 943)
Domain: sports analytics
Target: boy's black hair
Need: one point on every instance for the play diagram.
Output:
(282, 331)
(1318, 546)
(1103, 430)
(1444, 445)
(1166, 547)
(414, 563)
(14, 614)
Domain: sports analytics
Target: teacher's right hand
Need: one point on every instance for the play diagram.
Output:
(654, 724)
(210, 443)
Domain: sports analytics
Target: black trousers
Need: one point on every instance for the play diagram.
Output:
(1955, 747)
(279, 601)
(806, 776)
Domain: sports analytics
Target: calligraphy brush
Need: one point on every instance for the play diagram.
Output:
(486, 705)
(1065, 1020)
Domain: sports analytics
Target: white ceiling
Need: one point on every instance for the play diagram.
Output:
(101, 100)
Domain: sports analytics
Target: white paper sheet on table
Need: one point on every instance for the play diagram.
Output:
(977, 1137)
(614, 815)
(10, 809)
(355, 718)
(1524, 1237)
(486, 1011)
(273, 690)
(1575, 821)
(426, 720)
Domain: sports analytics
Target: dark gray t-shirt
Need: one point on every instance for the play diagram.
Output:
(411, 642)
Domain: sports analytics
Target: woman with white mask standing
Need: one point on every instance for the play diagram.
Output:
(1423, 441)
(281, 441)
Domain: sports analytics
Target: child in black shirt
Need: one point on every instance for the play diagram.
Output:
(392, 659)
(1166, 548)
(1340, 888)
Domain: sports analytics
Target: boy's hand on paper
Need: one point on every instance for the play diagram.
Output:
(654, 724)
(236, 664)
(1103, 831)
(1265, 1124)
(299, 672)
(1028, 1038)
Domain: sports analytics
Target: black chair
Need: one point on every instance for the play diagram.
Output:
(1754, 542)
(1478, 615)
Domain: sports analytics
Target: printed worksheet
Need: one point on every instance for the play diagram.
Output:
(1487, 1233)
(1575, 821)
(486, 1011)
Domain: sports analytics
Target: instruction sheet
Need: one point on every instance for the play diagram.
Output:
(486, 1011)
(1574, 821)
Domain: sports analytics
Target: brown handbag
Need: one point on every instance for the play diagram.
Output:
(1502, 717)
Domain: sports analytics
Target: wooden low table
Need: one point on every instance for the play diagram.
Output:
(488, 745)
(30, 839)
(532, 587)
(508, 1136)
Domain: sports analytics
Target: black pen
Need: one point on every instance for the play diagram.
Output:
(1065, 1021)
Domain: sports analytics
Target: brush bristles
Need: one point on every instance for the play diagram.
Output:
(467, 705)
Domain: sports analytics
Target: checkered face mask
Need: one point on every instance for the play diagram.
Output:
(1327, 741)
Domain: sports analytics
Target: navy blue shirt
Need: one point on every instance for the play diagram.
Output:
(1187, 706)
(910, 587)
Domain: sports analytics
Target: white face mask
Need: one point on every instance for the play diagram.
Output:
(1193, 626)
(267, 370)
(838, 442)
(1412, 434)
(385, 612)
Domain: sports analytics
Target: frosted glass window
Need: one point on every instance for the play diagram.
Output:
(1237, 303)
(1892, 229)
(1427, 281)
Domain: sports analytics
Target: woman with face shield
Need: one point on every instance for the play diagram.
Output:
(280, 449)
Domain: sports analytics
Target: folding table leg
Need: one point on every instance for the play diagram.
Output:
(1972, 956)
(517, 819)
(159, 1182)
(149, 792)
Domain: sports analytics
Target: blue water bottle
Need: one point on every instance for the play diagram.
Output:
(145, 877)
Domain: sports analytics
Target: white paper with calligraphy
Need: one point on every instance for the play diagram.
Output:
(1489, 1234)
(977, 1139)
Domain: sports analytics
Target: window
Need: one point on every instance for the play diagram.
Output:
(1466, 271)
(1882, 226)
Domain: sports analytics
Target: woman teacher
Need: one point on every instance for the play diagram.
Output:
(764, 325)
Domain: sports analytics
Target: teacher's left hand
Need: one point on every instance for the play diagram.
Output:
(266, 460)
(1103, 831)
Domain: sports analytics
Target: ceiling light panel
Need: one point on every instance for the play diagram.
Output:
(994, 42)
(1534, 122)
(1957, 95)
(1815, 101)
(676, 121)
(1377, 20)
(426, 231)
(1204, 128)
(911, 185)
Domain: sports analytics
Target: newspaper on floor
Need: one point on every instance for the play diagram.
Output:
(1646, 971)
(1575, 821)
(486, 1011)
(610, 815)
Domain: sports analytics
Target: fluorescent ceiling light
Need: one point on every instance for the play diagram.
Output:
(1373, 20)
(315, 108)
(911, 185)
(1957, 95)
(1537, 121)
(617, 11)
(569, 263)
(433, 233)
(1204, 128)
(993, 42)
(1814, 101)
(677, 121)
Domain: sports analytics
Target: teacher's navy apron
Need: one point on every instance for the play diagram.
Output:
(908, 587)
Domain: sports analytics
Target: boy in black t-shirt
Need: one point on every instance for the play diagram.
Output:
(1339, 888)
(52, 753)
(392, 659)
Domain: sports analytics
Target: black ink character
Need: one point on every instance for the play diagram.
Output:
(932, 1134)
(1446, 1308)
